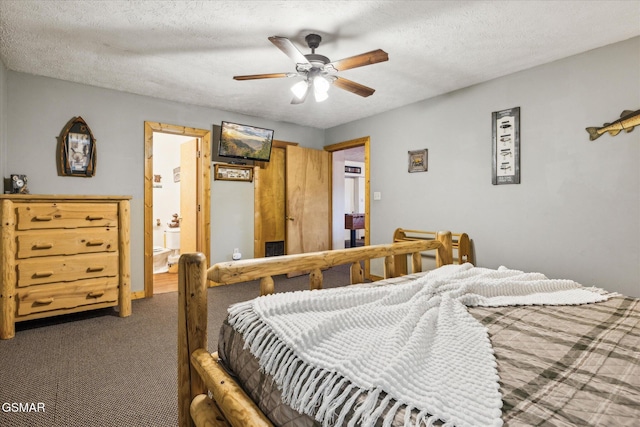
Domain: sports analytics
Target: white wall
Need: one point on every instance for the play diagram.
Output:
(39, 107)
(576, 213)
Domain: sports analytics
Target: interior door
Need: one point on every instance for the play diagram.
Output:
(308, 195)
(269, 204)
(189, 195)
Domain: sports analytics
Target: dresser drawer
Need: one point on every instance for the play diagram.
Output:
(40, 270)
(36, 299)
(66, 242)
(38, 216)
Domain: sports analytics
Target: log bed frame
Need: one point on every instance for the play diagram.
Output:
(199, 374)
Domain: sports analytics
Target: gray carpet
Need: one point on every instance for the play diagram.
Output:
(97, 369)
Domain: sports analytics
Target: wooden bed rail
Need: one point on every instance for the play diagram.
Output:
(198, 370)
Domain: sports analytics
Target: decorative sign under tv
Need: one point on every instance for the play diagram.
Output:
(245, 142)
(506, 146)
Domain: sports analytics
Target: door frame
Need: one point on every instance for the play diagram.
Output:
(359, 142)
(203, 226)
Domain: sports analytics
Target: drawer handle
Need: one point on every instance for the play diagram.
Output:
(94, 218)
(94, 269)
(42, 274)
(43, 218)
(96, 294)
(44, 301)
(95, 243)
(43, 246)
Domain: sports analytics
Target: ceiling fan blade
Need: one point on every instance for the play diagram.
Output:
(353, 87)
(264, 76)
(368, 58)
(285, 45)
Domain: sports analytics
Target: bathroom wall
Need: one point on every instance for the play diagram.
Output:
(166, 193)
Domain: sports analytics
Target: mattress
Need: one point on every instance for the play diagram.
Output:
(558, 366)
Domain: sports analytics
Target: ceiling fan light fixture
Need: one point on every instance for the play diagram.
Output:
(320, 84)
(319, 95)
(300, 89)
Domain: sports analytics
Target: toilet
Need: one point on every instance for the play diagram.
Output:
(172, 243)
(161, 259)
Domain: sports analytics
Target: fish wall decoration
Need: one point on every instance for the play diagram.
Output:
(627, 121)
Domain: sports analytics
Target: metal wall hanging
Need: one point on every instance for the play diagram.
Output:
(77, 149)
(627, 121)
(506, 146)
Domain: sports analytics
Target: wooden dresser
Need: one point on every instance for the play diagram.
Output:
(62, 254)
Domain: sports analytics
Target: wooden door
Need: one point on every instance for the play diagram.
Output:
(269, 184)
(189, 196)
(308, 195)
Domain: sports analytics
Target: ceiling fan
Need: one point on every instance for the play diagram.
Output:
(317, 71)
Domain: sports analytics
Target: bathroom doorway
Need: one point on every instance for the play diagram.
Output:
(177, 201)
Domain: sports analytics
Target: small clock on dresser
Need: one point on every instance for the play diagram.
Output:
(19, 184)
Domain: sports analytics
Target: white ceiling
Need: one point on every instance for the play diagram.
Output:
(188, 51)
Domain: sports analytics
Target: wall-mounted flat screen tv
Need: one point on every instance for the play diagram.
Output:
(245, 142)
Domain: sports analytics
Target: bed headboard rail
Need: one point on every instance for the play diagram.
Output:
(460, 243)
(314, 262)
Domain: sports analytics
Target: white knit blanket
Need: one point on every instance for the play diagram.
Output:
(411, 345)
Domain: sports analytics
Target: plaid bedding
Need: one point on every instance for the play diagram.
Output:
(558, 366)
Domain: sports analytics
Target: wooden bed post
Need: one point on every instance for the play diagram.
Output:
(444, 255)
(192, 331)
(400, 261)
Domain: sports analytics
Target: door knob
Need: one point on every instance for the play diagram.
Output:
(288, 218)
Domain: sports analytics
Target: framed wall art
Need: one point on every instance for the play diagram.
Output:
(233, 172)
(505, 126)
(77, 149)
(418, 160)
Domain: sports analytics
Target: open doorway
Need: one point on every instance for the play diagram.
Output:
(177, 200)
(350, 194)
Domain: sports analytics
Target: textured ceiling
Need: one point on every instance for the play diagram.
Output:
(188, 51)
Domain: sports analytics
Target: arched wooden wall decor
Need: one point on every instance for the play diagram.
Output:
(77, 149)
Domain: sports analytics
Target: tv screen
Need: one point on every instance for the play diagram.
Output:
(245, 142)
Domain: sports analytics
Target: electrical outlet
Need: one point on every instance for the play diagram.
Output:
(377, 195)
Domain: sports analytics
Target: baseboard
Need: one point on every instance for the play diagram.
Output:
(137, 295)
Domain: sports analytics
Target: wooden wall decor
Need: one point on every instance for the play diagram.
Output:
(233, 172)
(77, 149)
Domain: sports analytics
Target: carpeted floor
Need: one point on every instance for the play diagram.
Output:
(97, 369)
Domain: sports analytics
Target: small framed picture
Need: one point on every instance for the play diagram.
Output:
(418, 160)
(233, 172)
